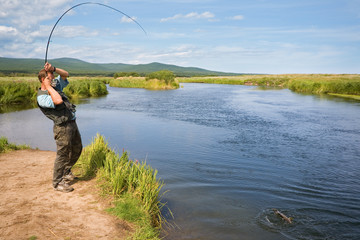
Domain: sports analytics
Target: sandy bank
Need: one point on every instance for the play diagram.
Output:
(30, 206)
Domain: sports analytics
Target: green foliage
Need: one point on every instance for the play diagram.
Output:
(128, 83)
(140, 82)
(259, 80)
(124, 178)
(14, 92)
(167, 76)
(126, 74)
(93, 156)
(131, 209)
(85, 88)
(339, 85)
(5, 146)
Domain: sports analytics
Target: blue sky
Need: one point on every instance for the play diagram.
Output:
(242, 36)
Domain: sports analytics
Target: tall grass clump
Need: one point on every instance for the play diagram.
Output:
(5, 146)
(141, 82)
(22, 91)
(128, 82)
(85, 88)
(327, 86)
(129, 181)
(164, 75)
(13, 92)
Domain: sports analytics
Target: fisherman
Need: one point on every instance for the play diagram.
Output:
(55, 105)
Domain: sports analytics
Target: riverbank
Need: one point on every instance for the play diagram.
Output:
(123, 193)
(18, 93)
(23, 90)
(31, 209)
(341, 85)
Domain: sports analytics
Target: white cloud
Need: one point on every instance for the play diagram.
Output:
(7, 32)
(192, 15)
(26, 14)
(238, 17)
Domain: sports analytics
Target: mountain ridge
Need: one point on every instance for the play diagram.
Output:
(80, 67)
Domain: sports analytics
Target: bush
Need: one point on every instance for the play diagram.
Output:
(97, 88)
(164, 75)
(126, 74)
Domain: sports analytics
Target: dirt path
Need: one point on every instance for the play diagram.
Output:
(30, 207)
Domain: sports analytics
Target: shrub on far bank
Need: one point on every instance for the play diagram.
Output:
(126, 74)
(164, 75)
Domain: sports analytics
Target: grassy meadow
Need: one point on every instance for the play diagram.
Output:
(343, 85)
(23, 90)
(133, 184)
(142, 82)
(20, 92)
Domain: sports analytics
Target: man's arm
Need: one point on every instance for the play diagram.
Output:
(63, 73)
(55, 96)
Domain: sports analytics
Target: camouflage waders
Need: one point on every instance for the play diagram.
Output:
(69, 147)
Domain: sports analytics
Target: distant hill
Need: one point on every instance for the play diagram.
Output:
(79, 67)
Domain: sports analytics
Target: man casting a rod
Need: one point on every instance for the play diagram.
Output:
(55, 105)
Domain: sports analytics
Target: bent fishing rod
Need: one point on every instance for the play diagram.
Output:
(95, 3)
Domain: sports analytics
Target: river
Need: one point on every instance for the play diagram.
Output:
(229, 155)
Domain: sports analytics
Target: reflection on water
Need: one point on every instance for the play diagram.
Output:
(230, 154)
(6, 108)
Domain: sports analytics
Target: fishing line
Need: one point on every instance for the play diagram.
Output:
(101, 4)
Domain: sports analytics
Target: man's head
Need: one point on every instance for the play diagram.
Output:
(43, 74)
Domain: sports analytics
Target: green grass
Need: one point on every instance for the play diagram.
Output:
(260, 80)
(141, 82)
(15, 92)
(5, 146)
(23, 90)
(134, 185)
(85, 88)
(131, 210)
(343, 85)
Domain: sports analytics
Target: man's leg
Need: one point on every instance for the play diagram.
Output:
(62, 139)
(75, 148)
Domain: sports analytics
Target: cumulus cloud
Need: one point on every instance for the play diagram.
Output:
(192, 15)
(6, 32)
(25, 14)
(20, 19)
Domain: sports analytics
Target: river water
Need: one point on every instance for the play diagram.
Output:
(229, 155)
